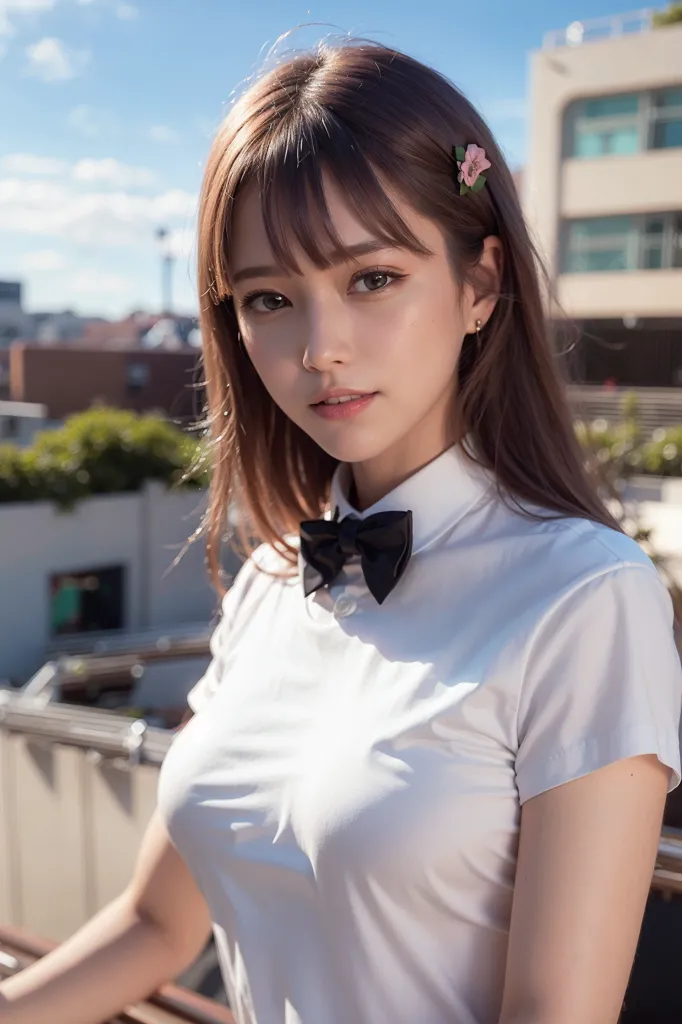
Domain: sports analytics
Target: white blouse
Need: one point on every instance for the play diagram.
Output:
(348, 793)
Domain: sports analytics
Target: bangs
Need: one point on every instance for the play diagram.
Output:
(291, 169)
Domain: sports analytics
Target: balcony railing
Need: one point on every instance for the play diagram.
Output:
(170, 1005)
(596, 29)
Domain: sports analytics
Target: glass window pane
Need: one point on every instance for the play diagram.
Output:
(667, 134)
(597, 227)
(611, 106)
(623, 140)
(677, 241)
(669, 98)
(652, 257)
(588, 262)
(588, 143)
(654, 226)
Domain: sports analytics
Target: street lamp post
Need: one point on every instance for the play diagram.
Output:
(167, 260)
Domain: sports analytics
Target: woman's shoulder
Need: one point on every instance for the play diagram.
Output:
(555, 559)
(603, 547)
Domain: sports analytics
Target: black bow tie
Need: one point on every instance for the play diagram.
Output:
(383, 541)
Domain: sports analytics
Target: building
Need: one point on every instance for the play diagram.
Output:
(21, 421)
(139, 329)
(13, 320)
(603, 193)
(109, 570)
(68, 379)
(56, 328)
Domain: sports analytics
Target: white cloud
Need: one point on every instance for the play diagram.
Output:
(162, 133)
(82, 118)
(42, 260)
(105, 219)
(98, 282)
(27, 164)
(87, 171)
(112, 172)
(50, 60)
(10, 8)
(126, 12)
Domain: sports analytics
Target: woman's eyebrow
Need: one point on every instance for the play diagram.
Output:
(348, 253)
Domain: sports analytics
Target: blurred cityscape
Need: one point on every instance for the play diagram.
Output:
(104, 628)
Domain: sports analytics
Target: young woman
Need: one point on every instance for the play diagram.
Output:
(425, 777)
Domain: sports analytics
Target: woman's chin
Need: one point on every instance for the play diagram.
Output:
(349, 447)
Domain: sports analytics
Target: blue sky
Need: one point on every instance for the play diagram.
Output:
(107, 109)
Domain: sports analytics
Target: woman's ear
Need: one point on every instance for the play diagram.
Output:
(486, 281)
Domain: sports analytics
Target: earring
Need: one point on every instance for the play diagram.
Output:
(479, 324)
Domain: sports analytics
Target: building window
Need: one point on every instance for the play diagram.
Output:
(676, 240)
(623, 243)
(652, 243)
(602, 243)
(9, 428)
(619, 125)
(607, 125)
(84, 602)
(137, 376)
(667, 119)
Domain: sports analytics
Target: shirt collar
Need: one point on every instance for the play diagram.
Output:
(438, 495)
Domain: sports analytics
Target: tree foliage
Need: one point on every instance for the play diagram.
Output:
(101, 451)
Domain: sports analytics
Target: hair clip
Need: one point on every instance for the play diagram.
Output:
(470, 163)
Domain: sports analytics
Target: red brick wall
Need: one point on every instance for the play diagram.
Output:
(69, 380)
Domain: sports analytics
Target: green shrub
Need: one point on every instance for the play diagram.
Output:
(101, 451)
(615, 451)
(662, 455)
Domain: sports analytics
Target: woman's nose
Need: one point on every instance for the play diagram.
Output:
(328, 339)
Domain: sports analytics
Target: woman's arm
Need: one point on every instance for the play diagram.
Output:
(587, 851)
(140, 941)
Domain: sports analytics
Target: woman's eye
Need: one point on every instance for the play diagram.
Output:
(374, 281)
(265, 302)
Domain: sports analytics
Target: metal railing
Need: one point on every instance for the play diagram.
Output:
(170, 1005)
(596, 29)
(104, 733)
(656, 407)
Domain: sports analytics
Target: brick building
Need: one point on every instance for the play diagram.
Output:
(68, 380)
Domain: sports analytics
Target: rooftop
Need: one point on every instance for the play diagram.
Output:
(597, 29)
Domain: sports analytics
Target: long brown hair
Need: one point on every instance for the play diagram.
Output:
(369, 116)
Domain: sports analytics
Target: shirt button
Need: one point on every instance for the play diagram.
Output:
(344, 605)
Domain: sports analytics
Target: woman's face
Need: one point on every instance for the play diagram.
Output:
(386, 327)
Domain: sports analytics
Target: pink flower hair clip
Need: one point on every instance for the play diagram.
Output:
(470, 163)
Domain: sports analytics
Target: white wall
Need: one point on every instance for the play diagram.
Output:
(143, 532)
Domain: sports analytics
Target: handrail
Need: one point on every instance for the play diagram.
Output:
(667, 877)
(170, 1004)
(596, 29)
(104, 732)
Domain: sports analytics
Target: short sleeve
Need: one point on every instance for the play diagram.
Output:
(203, 690)
(602, 682)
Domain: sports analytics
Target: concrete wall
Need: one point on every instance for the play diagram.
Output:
(629, 63)
(143, 532)
(610, 185)
(641, 293)
(70, 832)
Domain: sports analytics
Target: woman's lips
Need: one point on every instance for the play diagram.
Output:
(343, 410)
